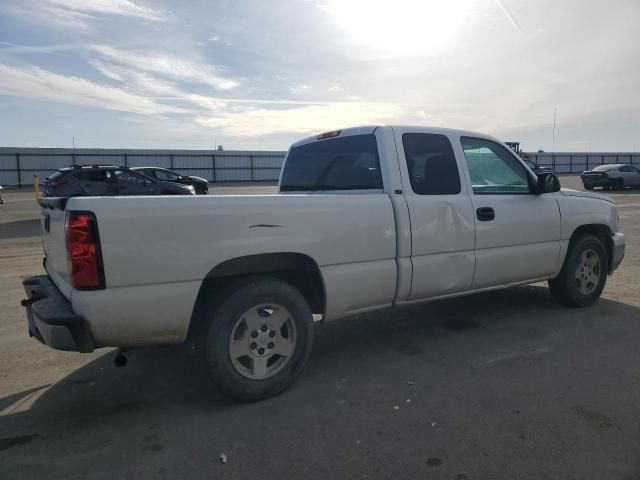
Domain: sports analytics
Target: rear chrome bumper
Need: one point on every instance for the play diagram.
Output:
(51, 319)
(617, 239)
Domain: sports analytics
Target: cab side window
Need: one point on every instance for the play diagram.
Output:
(493, 170)
(431, 164)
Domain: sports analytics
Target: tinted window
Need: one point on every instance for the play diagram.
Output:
(348, 163)
(165, 175)
(626, 168)
(130, 177)
(492, 168)
(147, 173)
(431, 164)
(91, 175)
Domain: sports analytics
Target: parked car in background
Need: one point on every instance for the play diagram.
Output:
(614, 177)
(107, 180)
(201, 185)
(537, 168)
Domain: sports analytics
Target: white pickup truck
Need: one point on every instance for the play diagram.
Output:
(365, 218)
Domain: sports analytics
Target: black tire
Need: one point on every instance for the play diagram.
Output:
(589, 187)
(617, 184)
(223, 319)
(564, 288)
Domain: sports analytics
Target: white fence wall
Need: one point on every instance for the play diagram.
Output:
(578, 162)
(19, 165)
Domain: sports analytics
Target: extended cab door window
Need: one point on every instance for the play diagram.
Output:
(346, 163)
(431, 164)
(492, 169)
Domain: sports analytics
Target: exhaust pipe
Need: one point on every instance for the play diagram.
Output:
(121, 359)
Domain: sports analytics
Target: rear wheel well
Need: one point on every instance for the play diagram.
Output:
(298, 270)
(602, 232)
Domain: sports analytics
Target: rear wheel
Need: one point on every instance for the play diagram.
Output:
(583, 275)
(259, 339)
(617, 184)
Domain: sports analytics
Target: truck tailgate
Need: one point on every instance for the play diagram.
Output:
(54, 242)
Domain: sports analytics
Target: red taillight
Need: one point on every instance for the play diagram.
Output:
(333, 134)
(83, 251)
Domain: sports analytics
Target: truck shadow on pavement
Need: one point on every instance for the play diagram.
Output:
(375, 360)
(20, 229)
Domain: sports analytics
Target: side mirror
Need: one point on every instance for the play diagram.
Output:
(547, 182)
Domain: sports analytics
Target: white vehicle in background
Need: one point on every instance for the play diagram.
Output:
(366, 218)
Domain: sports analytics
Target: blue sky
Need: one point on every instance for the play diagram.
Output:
(258, 74)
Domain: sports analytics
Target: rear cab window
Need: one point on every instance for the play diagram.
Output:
(345, 163)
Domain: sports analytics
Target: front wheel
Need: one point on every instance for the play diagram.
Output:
(583, 275)
(259, 339)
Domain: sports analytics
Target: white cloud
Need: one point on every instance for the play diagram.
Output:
(295, 89)
(334, 88)
(34, 82)
(137, 82)
(300, 119)
(168, 65)
(79, 15)
(112, 7)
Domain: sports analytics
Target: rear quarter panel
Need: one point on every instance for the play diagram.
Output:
(157, 251)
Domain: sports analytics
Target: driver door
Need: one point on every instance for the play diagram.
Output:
(517, 232)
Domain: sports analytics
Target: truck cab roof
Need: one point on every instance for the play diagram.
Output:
(369, 129)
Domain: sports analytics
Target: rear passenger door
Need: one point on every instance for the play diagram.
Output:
(442, 223)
